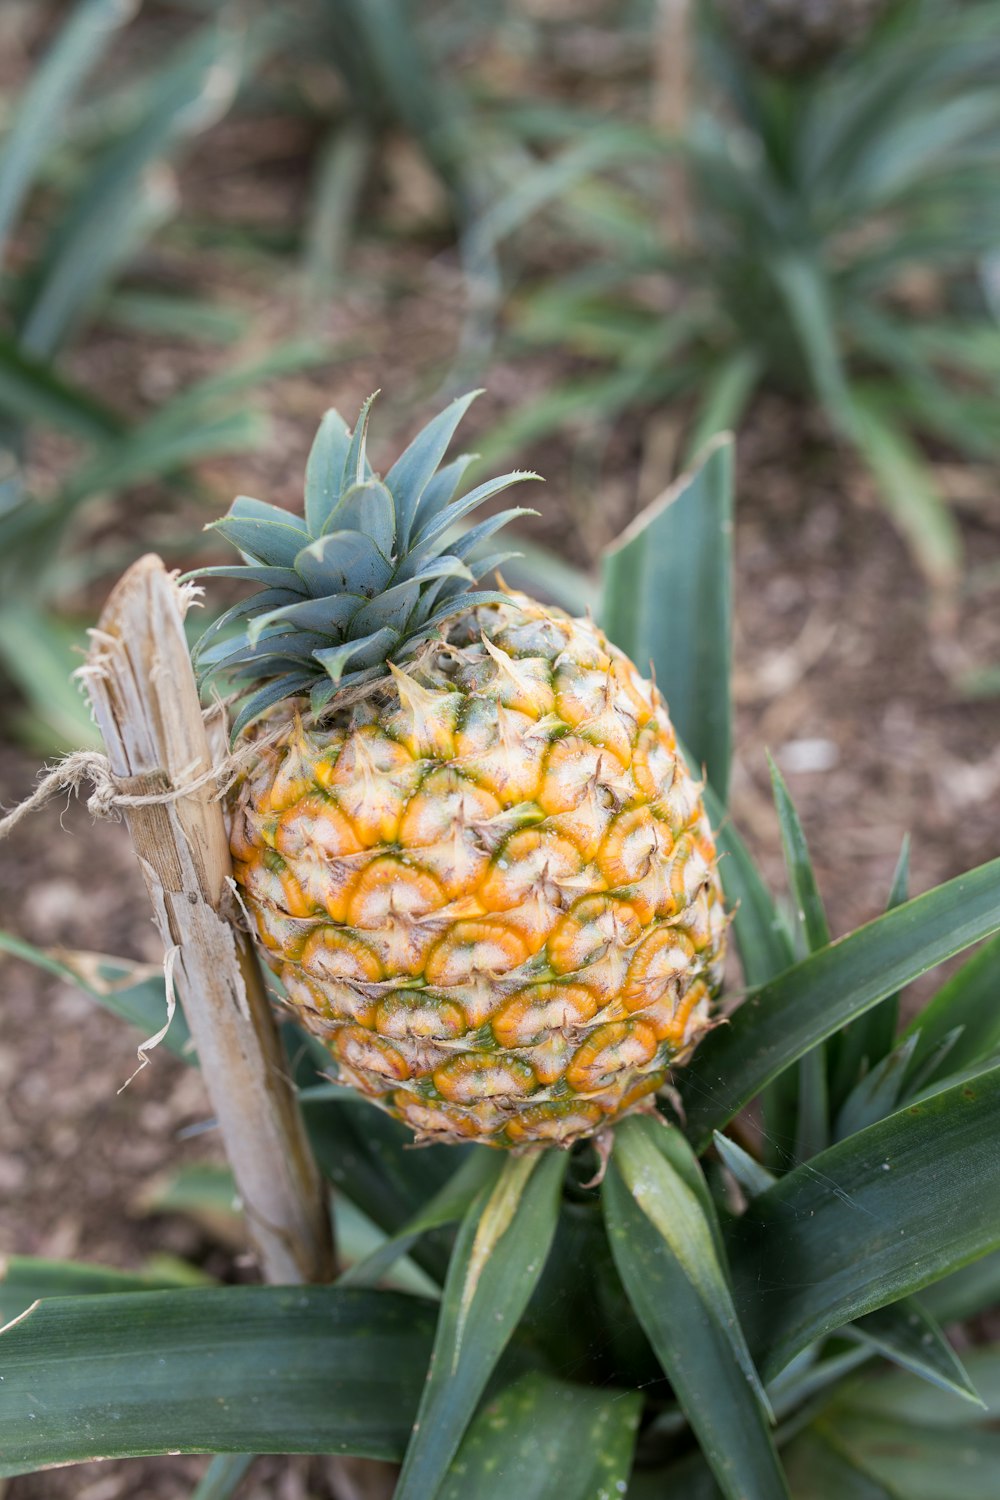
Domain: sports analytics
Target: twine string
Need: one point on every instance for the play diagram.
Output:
(108, 800)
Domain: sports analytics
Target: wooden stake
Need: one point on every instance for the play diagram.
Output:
(144, 695)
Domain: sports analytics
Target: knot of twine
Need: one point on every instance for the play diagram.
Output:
(108, 799)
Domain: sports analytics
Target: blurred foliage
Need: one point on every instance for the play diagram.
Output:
(823, 232)
(86, 184)
(390, 72)
(829, 230)
(80, 196)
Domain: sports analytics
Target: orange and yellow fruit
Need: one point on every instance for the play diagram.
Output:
(479, 864)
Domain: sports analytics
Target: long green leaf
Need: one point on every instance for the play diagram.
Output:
(909, 491)
(31, 391)
(752, 1177)
(810, 917)
(223, 1476)
(199, 319)
(184, 97)
(552, 178)
(25, 1278)
(499, 1255)
(112, 983)
(370, 1157)
(904, 1398)
(447, 1206)
(812, 1126)
(159, 447)
(39, 653)
(545, 575)
(761, 935)
(666, 598)
(872, 1220)
(805, 291)
(811, 1001)
(859, 1046)
(906, 1333)
(809, 1376)
(723, 399)
(357, 1239)
(232, 380)
(921, 1463)
(877, 1094)
(820, 1470)
(390, 70)
(540, 1433)
(227, 1370)
(766, 949)
(974, 1289)
(74, 286)
(78, 43)
(413, 470)
(968, 1000)
(343, 167)
(664, 1245)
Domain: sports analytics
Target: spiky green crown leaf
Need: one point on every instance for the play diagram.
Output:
(358, 580)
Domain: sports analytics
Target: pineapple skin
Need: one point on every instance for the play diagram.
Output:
(490, 884)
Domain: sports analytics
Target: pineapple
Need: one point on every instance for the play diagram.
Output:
(784, 36)
(467, 839)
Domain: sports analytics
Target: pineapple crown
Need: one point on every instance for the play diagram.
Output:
(369, 570)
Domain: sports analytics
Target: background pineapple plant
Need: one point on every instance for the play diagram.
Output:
(762, 1280)
(843, 224)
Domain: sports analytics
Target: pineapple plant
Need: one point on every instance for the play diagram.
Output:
(469, 842)
(77, 208)
(812, 272)
(749, 1305)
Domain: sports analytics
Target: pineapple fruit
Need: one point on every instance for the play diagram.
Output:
(467, 838)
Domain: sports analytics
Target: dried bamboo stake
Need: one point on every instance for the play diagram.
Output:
(144, 695)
